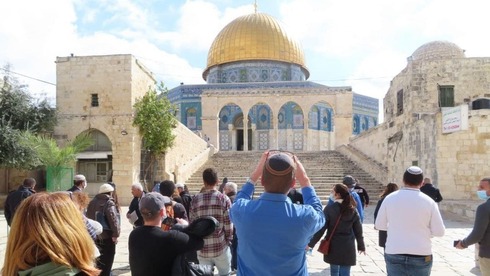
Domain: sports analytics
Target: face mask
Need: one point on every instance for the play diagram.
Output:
(332, 197)
(482, 195)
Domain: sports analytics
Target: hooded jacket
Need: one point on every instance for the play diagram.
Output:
(105, 203)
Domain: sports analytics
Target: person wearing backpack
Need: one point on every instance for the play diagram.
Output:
(103, 209)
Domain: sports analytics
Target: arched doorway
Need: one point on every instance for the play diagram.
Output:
(240, 133)
(96, 162)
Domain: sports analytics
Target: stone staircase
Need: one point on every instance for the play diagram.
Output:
(325, 168)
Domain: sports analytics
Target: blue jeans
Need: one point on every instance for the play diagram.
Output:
(339, 270)
(222, 262)
(402, 265)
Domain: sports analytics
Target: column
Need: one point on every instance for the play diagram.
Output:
(305, 132)
(245, 133)
(255, 137)
(275, 127)
(231, 142)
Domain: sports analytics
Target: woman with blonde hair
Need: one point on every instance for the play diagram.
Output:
(45, 239)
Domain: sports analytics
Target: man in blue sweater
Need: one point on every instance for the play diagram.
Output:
(272, 231)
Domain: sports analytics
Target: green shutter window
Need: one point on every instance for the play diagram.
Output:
(446, 96)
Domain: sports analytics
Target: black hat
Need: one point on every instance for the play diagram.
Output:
(202, 227)
(349, 181)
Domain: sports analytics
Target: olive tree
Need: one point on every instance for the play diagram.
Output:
(155, 119)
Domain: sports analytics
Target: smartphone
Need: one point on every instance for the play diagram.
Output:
(455, 243)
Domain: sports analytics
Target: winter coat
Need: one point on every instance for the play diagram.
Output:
(50, 269)
(13, 201)
(98, 204)
(382, 235)
(342, 245)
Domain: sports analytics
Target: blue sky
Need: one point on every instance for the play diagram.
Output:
(357, 43)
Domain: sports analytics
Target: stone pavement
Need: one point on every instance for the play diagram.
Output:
(447, 260)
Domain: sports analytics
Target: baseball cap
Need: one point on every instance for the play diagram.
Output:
(153, 202)
(349, 181)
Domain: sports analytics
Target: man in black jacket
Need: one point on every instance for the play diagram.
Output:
(134, 210)
(152, 251)
(16, 197)
(79, 183)
(363, 195)
(185, 196)
(431, 191)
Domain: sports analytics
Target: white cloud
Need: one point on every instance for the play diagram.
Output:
(342, 39)
(199, 23)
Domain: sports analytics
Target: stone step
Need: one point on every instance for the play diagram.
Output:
(325, 169)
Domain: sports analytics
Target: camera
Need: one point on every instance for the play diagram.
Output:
(169, 221)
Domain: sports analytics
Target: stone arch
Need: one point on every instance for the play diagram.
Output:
(227, 114)
(96, 161)
(365, 123)
(290, 116)
(261, 131)
(356, 124)
(321, 117)
(260, 114)
(191, 118)
(291, 130)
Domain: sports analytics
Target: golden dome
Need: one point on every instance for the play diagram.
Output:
(255, 36)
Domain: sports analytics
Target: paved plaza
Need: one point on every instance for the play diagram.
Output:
(447, 260)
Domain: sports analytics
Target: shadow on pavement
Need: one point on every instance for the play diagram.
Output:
(121, 270)
(324, 272)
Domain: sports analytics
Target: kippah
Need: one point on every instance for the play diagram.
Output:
(279, 164)
(414, 170)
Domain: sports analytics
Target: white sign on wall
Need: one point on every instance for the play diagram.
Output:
(454, 118)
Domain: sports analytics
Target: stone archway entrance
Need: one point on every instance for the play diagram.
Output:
(241, 140)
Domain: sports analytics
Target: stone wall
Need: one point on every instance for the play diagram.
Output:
(462, 157)
(118, 80)
(413, 136)
(187, 155)
(375, 169)
(338, 98)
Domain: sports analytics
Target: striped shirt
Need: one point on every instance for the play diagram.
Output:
(216, 204)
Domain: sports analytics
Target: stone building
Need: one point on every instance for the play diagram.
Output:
(97, 93)
(257, 95)
(436, 116)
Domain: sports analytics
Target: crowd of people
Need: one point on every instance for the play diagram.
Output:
(69, 234)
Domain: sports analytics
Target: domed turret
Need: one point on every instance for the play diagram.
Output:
(254, 37)
(438, 50)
